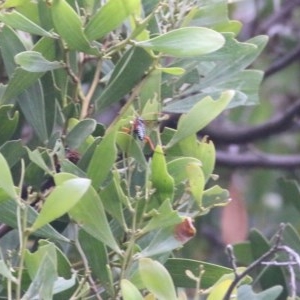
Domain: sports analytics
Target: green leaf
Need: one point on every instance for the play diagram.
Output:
(36, 157)
(43, 266)
(129, 145)
(200, 115)
(97, 256)
(32, 104)
(6, 272)
(290, 191)
(196, 40)
(21, 22)
(215, 196)
(9, 122)
(8, 215)
(165, 216)
(80, 132)
(33, 61)
(196, 181)
(162, 181)
(157, 279)
(89, 212)
(177, 168)
(6, 181)
(173, 70)
(102, 22)
(177, 268)
(61, 200)
(129, 291)
(68, 25)
(113, 199)
(128, 72)
(21, 79)
(10, 45)
(13, 151)
(269, 276)
(245, 292)
(102, 160)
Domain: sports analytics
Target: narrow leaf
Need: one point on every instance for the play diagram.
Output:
(102, 160)
(200, 115)
(20, 22)
(61, 200)
(186, 42)
(102, 22)
(6, 181)
(68, 25)
(162, 181)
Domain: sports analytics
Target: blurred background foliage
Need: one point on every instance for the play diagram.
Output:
(258, 146)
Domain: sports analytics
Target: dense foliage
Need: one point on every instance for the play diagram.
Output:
(94, 208)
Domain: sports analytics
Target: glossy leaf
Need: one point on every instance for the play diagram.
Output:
(200, 115)
(128, 72)
(21, 22)
(6, 181)
(33, 61)
(161, 180)
(102, 22)
(196, 41)
(129, 291)
(68, 25)
(61, 200)
(156, 279)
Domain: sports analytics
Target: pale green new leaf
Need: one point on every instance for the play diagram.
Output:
(156, 279)
(33, 61)
(61, 200)
(186, 42)
(200, 115)
(6, 181)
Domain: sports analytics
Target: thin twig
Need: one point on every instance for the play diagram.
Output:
(237, 134)
(258, 160)
(272, 251)
(87, 99)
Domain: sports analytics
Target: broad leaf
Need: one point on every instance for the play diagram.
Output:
(156, 279)
(200, 115)
(196, 41)
(61, 200)
(33, 61)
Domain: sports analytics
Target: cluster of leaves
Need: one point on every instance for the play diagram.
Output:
(108, 217)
